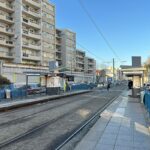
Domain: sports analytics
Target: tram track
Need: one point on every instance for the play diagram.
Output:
(57, 129)
(84, 125)
(17, 120)
(35, 129)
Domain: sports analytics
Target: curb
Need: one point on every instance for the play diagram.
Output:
(23, 104)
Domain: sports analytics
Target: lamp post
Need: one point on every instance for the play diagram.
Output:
(113, 68)
(1, 67)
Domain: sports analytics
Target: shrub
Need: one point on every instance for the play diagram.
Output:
(4, 81)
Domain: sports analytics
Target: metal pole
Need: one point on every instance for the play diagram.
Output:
(1, 67)
(71, 67)
(113, 69)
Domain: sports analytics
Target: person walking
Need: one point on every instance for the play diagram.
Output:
(108, 86)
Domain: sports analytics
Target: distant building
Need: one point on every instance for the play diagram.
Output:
(58, 45)
(80, 58)
(68, 49)
(136, 61)
(90, 65)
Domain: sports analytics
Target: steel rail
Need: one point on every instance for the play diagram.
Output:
(86, 123)
(35, 129)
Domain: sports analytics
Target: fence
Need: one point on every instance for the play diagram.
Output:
(82, 86)
(16, 93)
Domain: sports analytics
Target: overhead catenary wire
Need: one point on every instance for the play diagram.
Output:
(84, 48)
(98, 29)
(81, 45)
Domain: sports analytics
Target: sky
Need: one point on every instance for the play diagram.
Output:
(124, 23)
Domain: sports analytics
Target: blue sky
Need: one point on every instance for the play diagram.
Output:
(125, 24)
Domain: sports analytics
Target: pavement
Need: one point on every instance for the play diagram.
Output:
(11, 104)
(122, 126)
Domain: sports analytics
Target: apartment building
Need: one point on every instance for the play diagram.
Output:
(27, 30)
(80, 56)
(48, 32)
(59, 46)
(90, 65)
(68, 49)
(7, 13)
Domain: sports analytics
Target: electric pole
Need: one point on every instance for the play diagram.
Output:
(113, 69)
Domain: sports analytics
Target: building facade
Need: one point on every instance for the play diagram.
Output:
(90, 65)
(68, 49)
(28, 39)
(59, 47)
(80, 57)
(27, 30)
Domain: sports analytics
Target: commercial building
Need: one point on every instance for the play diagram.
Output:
(27, 31)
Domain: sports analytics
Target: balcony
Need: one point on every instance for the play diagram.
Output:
(6, 55)
(7, 43)
(31, 46)
(90, 68)
(33, 3)
(31, 35)
(30, 23)
(31, 12)
(6, 19)
(50, 21)
(90, 63)
(79, 68)
(58, 58)
(58, 37)
(31, 57)
(80, 56)
(58, 51)
(80, 62)
(58, 43)
(49, 11)
(6, 31)
(6, 7)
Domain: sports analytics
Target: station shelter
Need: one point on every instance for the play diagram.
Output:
(137, 75)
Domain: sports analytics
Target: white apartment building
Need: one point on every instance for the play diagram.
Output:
(90, 65)
(27, 31)
(72, 60)
(59, 47)
(80, 57)
(68, 49)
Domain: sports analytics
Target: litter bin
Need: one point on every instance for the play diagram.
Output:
(8, 93)
(136, 92)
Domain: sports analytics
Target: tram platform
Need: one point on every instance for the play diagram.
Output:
(12, 104)
(122, 126)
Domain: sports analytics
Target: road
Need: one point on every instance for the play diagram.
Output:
(44, 126)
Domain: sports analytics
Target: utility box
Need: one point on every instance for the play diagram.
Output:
(8, 93)
(53, 90)
(136, 92)
(136, 86)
